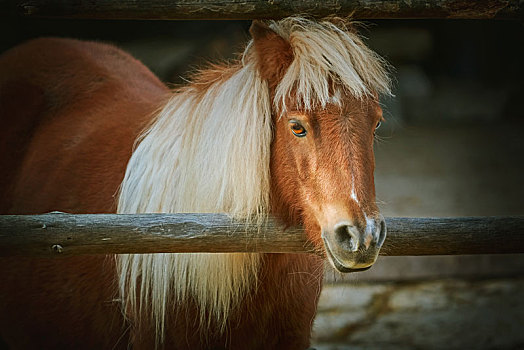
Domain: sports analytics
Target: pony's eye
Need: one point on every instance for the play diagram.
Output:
(376, 127)
(297, 129)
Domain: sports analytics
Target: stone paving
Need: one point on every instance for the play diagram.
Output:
(443, 314)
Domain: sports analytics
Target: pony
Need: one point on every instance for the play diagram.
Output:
(286, 130)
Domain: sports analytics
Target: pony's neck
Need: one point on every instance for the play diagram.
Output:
(208, 150)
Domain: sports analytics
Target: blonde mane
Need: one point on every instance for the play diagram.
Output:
(208, 150)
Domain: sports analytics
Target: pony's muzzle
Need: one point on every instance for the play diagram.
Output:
(352, 248)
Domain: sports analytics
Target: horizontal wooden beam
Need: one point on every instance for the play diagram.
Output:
(262, 9)
(59, 234)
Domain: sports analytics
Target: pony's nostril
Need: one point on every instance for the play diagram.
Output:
(346, 237)
(382, 233)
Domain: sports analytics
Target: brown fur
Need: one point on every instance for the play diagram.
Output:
(73, 111)
(277, 314)
(340, 142)
(71, 156)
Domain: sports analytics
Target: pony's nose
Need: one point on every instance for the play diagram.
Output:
(351, 238)
(352, 246)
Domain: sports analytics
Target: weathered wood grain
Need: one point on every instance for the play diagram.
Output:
(59, 234)
(257, 9)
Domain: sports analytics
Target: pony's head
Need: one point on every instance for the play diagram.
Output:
(324, 84)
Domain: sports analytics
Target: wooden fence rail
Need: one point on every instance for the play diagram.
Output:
(252, 9)
(60, 234)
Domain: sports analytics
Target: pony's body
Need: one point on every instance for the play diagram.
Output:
(47, 91)
(72, 112)
(71, 301)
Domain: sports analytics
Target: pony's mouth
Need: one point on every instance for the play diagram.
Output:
(337, 264)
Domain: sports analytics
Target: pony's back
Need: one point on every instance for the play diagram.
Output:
(70, 112)
(73, 108)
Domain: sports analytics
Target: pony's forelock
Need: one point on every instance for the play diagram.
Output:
(208, 150)
(326, 55)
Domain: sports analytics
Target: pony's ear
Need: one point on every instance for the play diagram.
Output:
(274, 54)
